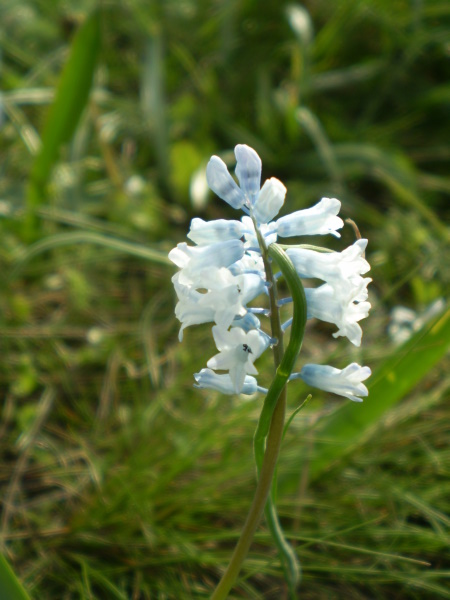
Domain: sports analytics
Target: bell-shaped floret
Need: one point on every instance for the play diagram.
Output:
(194, 260)
(207, 379)
(345, 382)
(237, 352)
(269, 201)
(248, 171)
(223, 301)
(317, 220)
(338, 307)
(208, 232)
(221, 183)
(335, 268)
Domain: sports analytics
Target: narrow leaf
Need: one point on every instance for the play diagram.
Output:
(350, 425)
(10, 587)
(70, 100)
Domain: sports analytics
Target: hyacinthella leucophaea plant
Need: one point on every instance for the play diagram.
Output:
(232, 264)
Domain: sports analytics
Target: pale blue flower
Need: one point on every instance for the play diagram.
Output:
(338, 307)
(194, 260)
(208, 232)
(263, 203)
(225, 298)
(237, 352)
(208, 379)
(335, 268)
(225, 271)
(221, 183)
(269, 201)
(317, 220)
(248, 171)
(346, 382)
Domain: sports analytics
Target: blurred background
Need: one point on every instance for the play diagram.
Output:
(118, 479)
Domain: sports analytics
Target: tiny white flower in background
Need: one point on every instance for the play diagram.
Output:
(405, 321)
(224, 272)
(346, 382)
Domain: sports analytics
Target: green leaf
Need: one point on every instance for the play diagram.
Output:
(351, 424)
(70, 100)
(10, 587)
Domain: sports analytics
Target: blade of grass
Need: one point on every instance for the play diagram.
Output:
(70, 100)
(397, 376)
(88, 237)
(10, 587)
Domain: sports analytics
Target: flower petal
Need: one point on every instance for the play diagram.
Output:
(221, 182)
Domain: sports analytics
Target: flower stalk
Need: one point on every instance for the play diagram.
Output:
(230, 266)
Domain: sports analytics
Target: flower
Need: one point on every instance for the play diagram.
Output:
(207, 232)
(224, 299)
(224, 272)
(345, 382)
(340, 307)
(336, 268)
(238, 351)
(194, 260)
(270, 200)
(263, 203)
(208, 379)
(319, 219)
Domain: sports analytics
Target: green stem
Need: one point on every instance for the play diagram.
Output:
(270, 428)
(289, 561)
(257, 508)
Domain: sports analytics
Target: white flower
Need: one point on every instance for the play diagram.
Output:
(207, 232)
(225, 271)
(194, 260)
(248, 171)
(263, 203)
(221, 182)
(225, 298)
(317, 220)
(336, 268)
(269, 201)
(345, 382)
(338, 307)
(238, 351)
(207, 379)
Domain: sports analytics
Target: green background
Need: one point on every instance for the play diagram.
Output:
(118, 479)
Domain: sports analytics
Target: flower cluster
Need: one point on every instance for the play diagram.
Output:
(224, 272)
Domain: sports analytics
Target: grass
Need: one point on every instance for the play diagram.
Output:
(119, 480)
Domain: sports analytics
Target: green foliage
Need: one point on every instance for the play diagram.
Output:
(119, 479)
(71, 97)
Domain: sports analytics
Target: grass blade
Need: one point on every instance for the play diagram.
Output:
(10, 587)
(350, 425)
(71, 98)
